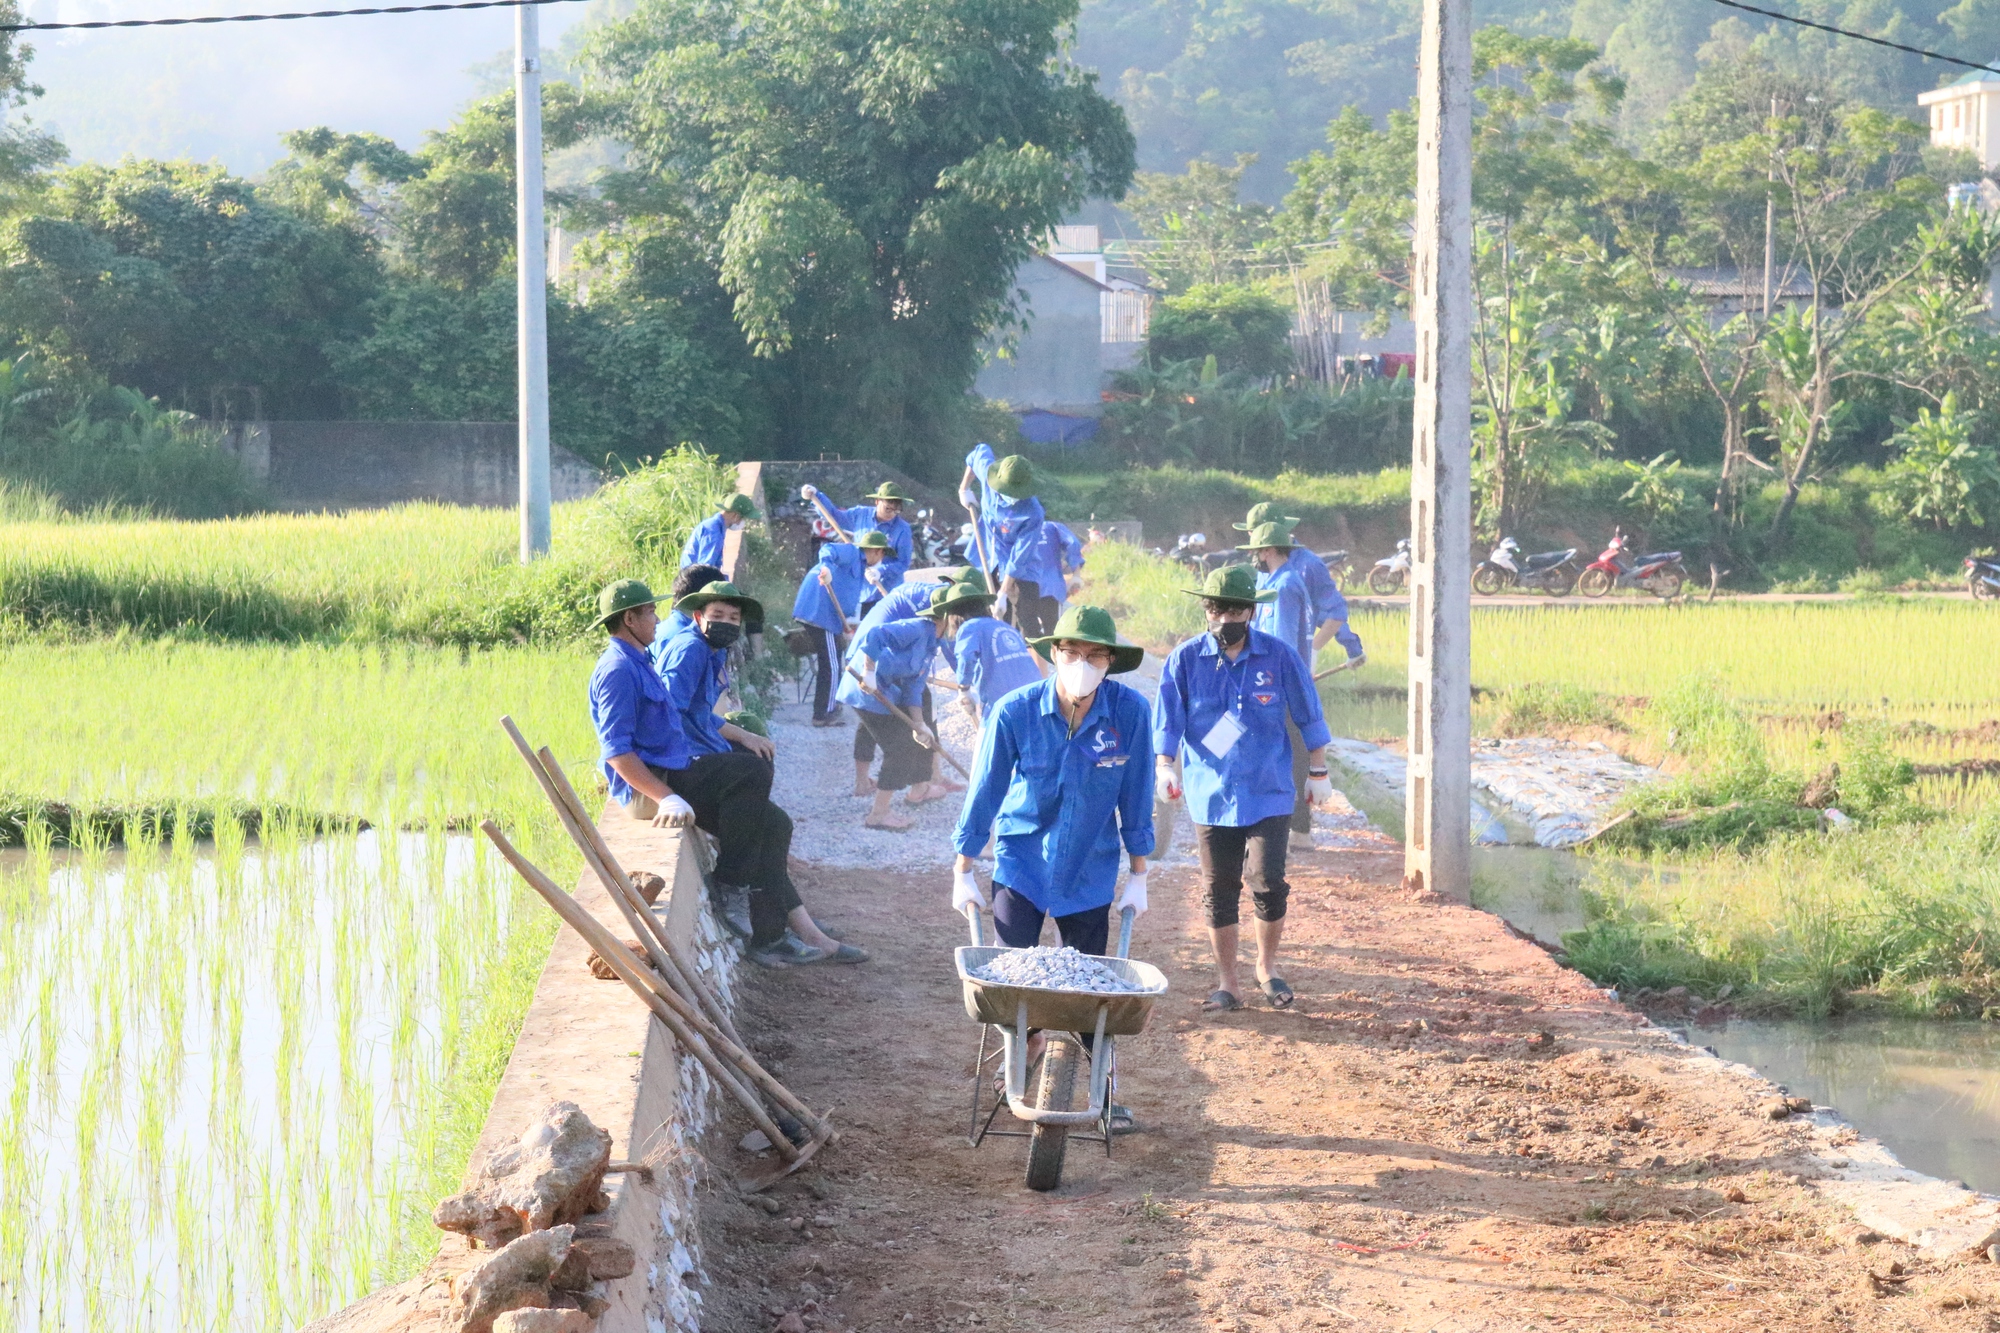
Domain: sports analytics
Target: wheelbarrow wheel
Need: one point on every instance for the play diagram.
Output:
(1058, 1093)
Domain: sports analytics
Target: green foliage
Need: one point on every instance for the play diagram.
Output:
(1202, 234)
(1173, 499)
(1242, 328)
(1188, 413)
(1944, 475)
(1532, 710)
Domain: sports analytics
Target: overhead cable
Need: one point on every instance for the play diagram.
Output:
(1859, 36)
(276, 18)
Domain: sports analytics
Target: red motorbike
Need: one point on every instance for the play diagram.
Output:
(1660, 574)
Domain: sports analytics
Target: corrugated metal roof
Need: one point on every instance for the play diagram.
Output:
(1724, 281)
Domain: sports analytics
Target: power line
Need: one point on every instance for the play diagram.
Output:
(1859, 36)
(272, 18)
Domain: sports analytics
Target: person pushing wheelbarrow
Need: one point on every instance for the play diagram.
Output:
(1063, 778)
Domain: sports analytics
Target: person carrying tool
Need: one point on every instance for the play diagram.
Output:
(884, 514)
(1328, 602)
(828, 598)
(1234, 705)
(720, 778)
(1063, 778)
(704, 544)
(890, 666)
(1287, 616)
(989, 657)
(909, 599)
(1008, 520)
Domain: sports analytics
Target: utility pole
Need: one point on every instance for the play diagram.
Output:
(1437, 846)
(1770, 215)
(531, 285)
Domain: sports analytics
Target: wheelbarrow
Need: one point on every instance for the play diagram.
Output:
(1064, 1015)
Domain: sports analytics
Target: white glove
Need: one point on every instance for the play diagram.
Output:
(807, 492)
(674, 813)
(967, 498)
(1319, 790)
(1134, 896)
(965, 889)
(1166, 785)
(874, 575)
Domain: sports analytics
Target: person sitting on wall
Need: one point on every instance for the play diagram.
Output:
(704, 544)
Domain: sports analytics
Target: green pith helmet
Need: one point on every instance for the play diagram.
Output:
(749, 721)
(617, 598)
(1268, 534)
(738, 504)
(888, 490)
(955, 598)
(1264, 513)
(872, 540)
(1013, 475)
(1091, 624)
(719, 591)
(1233, 583)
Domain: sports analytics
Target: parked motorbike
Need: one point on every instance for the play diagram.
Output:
(933, 543)
(1660, 573)
(1982, 575)
(1507, 568)
(1338, 565)
(1391, 572)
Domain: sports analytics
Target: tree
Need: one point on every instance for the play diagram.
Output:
(862, 181)
(1242, 328)
(1353, 200)
(1200, 232)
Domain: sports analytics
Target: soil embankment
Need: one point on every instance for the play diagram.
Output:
(1449, 1132)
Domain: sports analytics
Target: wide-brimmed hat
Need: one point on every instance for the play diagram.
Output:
(738, 504)
(1091, 624)
(1013, 475)
(1268, 534)
(872, 540)
(1233, 583)
(950, 597)
(749, 721)
(888, 490)
(719, 591)
(614, 599)
(1264, 513)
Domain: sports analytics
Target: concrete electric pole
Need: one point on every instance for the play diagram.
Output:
(1437, 843)
(531, 285)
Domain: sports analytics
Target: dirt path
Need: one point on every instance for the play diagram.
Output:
(1448, 1133)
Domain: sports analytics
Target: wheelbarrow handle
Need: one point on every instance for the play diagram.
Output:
(1126, 916)
(972, 920)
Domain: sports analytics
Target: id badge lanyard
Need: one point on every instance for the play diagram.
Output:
(1228, 729)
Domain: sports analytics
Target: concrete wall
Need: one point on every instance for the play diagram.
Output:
(1060, 362)
(315, 465)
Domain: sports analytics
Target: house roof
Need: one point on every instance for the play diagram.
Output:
(1075, 272)
(1724, 280)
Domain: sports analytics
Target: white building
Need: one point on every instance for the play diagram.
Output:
(1966, 114)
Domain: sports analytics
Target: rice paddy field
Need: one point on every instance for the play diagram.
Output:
(241, 1071)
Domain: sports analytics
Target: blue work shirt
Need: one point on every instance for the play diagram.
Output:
(695, 675)
(901, 651)
(704, 544)
(814, 605)
(992, 660)
(633, 714)
(1290, 617)
(1012, 530)
(1252, 780)
(1327, 603)
(860, 519)
(1060, 804)
(1062, 556)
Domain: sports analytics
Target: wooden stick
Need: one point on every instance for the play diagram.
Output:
(979, 540)
(826, 511)
(925, 736)
(1348, 665)
(681, 970)
(943, 684)
(630, 970)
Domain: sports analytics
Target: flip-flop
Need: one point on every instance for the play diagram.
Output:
(936, 796)
(888, 828)
(846, 953)
(1220, 1002)
(1280, 994)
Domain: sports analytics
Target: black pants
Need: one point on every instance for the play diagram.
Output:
(904, 762)
(1229, 856)
(1018, 923)
(864, 742)
(826, 657)
(1032, 614)
(731, 796)
(1302, 811)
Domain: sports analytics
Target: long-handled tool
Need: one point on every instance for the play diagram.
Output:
(979, 540)
(1348, 665)
(925, 736)
(826, 512)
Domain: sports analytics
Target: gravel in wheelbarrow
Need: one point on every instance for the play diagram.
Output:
(1060, 1008)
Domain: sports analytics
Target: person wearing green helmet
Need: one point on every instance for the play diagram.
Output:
(1288, 615)
(638, 728)
(1010, 520)
(1329, 604)
(705, 543)
(884, 514)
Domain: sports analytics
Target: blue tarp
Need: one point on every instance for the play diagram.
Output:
(1042, 427)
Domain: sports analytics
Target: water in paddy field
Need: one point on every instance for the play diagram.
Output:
(222, 1071)
(1929, 1090)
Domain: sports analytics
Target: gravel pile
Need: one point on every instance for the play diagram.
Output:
(1062, 969)
(815, 782)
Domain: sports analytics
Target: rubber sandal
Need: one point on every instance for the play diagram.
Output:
(1280, 994)
(904, 827)
(1221, 1002)
(846, 953)
(925, 800)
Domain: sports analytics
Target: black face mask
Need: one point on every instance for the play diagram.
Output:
(721, 634)
(1229, 633)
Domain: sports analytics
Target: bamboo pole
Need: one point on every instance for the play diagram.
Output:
(630, 970)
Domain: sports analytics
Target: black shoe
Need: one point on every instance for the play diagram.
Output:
(732, 907)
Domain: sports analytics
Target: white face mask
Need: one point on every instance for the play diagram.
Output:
(1005, 499)
(1079, 677)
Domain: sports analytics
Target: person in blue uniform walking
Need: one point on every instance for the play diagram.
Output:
(704, 544)
(1063, 782)
(1233, 706)
(884, 514)
(989, 657)
(1287, 615)
(1329, 603)
(892, 659)
(1010, 519)
(828, 598)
